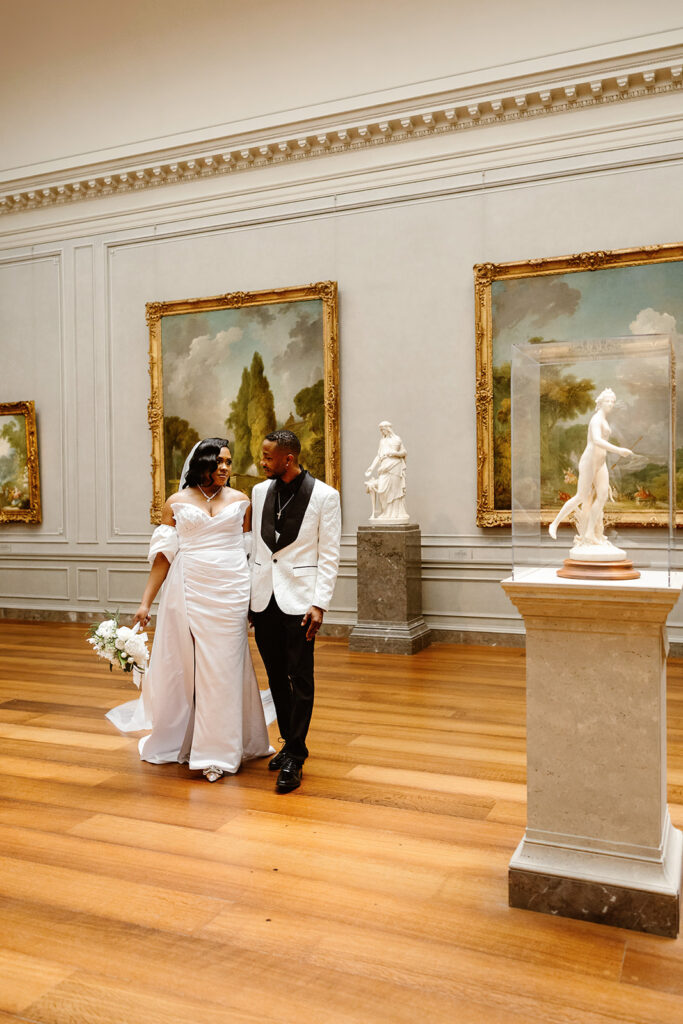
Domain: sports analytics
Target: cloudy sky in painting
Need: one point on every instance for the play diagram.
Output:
(611, 303)
(620, 302)
(204, 354)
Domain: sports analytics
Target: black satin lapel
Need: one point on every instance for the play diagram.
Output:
(295, 514)
(268, 517)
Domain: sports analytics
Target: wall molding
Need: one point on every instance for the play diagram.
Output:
(469, 108)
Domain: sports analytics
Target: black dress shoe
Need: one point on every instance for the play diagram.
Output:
(289, 777)
(277, 762)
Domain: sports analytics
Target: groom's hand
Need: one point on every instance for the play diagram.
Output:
(314, 619)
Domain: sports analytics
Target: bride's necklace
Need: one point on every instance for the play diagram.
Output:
(210, 497)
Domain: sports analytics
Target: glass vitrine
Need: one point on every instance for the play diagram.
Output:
(554, 387)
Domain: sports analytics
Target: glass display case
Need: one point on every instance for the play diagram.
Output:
(593, 454)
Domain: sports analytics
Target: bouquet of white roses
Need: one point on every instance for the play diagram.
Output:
(121, 646)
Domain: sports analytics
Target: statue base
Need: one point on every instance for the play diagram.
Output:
(389, 577)
(599, 844)
(575, 569)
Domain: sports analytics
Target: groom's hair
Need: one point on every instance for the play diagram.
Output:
(286, 440)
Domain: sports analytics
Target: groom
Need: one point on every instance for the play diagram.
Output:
(295, 557)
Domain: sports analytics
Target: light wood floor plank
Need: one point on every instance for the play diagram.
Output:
(21, 976)
(65, 737)
(127, 901)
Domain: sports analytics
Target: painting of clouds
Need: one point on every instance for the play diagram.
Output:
(240, 369)
(610, 302)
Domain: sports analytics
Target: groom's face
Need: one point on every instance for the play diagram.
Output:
(274, 460)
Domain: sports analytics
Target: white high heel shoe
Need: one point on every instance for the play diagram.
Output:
(213, 773)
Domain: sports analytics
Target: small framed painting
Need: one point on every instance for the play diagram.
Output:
(19, 473)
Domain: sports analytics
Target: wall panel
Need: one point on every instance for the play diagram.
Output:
(33, 368)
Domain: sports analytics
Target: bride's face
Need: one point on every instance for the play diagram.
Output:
(221, 474)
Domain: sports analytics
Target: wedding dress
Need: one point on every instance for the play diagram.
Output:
(200, 696)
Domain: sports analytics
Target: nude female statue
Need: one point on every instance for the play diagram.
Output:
(593, 487)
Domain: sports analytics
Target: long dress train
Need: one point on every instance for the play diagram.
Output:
(200, 696)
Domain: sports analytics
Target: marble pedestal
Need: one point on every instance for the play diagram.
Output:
(599, 843)
(389, 590)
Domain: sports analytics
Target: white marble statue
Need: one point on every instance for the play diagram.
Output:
(387, 488)
(593, 489)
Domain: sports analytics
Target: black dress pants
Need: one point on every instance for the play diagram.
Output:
(288, 658)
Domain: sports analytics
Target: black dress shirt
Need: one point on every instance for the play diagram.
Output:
(284, 497)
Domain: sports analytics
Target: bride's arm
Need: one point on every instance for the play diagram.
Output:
(157, 575)
(246, 532)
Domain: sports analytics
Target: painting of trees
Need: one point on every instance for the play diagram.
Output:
(240, 365)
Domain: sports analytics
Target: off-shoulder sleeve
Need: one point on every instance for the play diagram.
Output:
(164, 542)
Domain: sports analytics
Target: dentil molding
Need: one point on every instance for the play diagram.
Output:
(581, 88)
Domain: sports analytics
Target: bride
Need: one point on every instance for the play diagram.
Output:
(200, 695)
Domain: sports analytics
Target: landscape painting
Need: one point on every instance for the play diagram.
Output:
(19, 474)
(239, 366)
(592, 296)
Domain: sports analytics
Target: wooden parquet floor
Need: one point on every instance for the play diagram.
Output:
(376, 894)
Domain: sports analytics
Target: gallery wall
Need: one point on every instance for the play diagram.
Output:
(398, 226)
(85, 78)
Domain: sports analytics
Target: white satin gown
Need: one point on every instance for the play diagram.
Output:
(200, 696)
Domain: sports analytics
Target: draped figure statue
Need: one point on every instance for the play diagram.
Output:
(387, 488)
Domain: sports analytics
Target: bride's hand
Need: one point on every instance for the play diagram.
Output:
(142, 615)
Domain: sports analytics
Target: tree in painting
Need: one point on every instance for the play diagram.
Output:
(179, 439)
(310, 408)
(252, 415)
(563, 398)
(261, 408)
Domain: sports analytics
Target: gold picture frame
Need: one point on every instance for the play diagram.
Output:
(311, 325)
(19, 469)
(634, 272)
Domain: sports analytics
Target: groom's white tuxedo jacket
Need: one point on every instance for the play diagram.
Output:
(300, 566)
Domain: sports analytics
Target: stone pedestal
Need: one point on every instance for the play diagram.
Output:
(389, 591)
(599, 843)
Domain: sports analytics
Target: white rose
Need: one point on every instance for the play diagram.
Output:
(106, 628)
(123, 632)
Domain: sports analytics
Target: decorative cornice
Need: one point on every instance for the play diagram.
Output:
(577, 89)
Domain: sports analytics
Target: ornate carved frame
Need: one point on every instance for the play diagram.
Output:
(34, 513)
(484, 275)
(325, 290)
